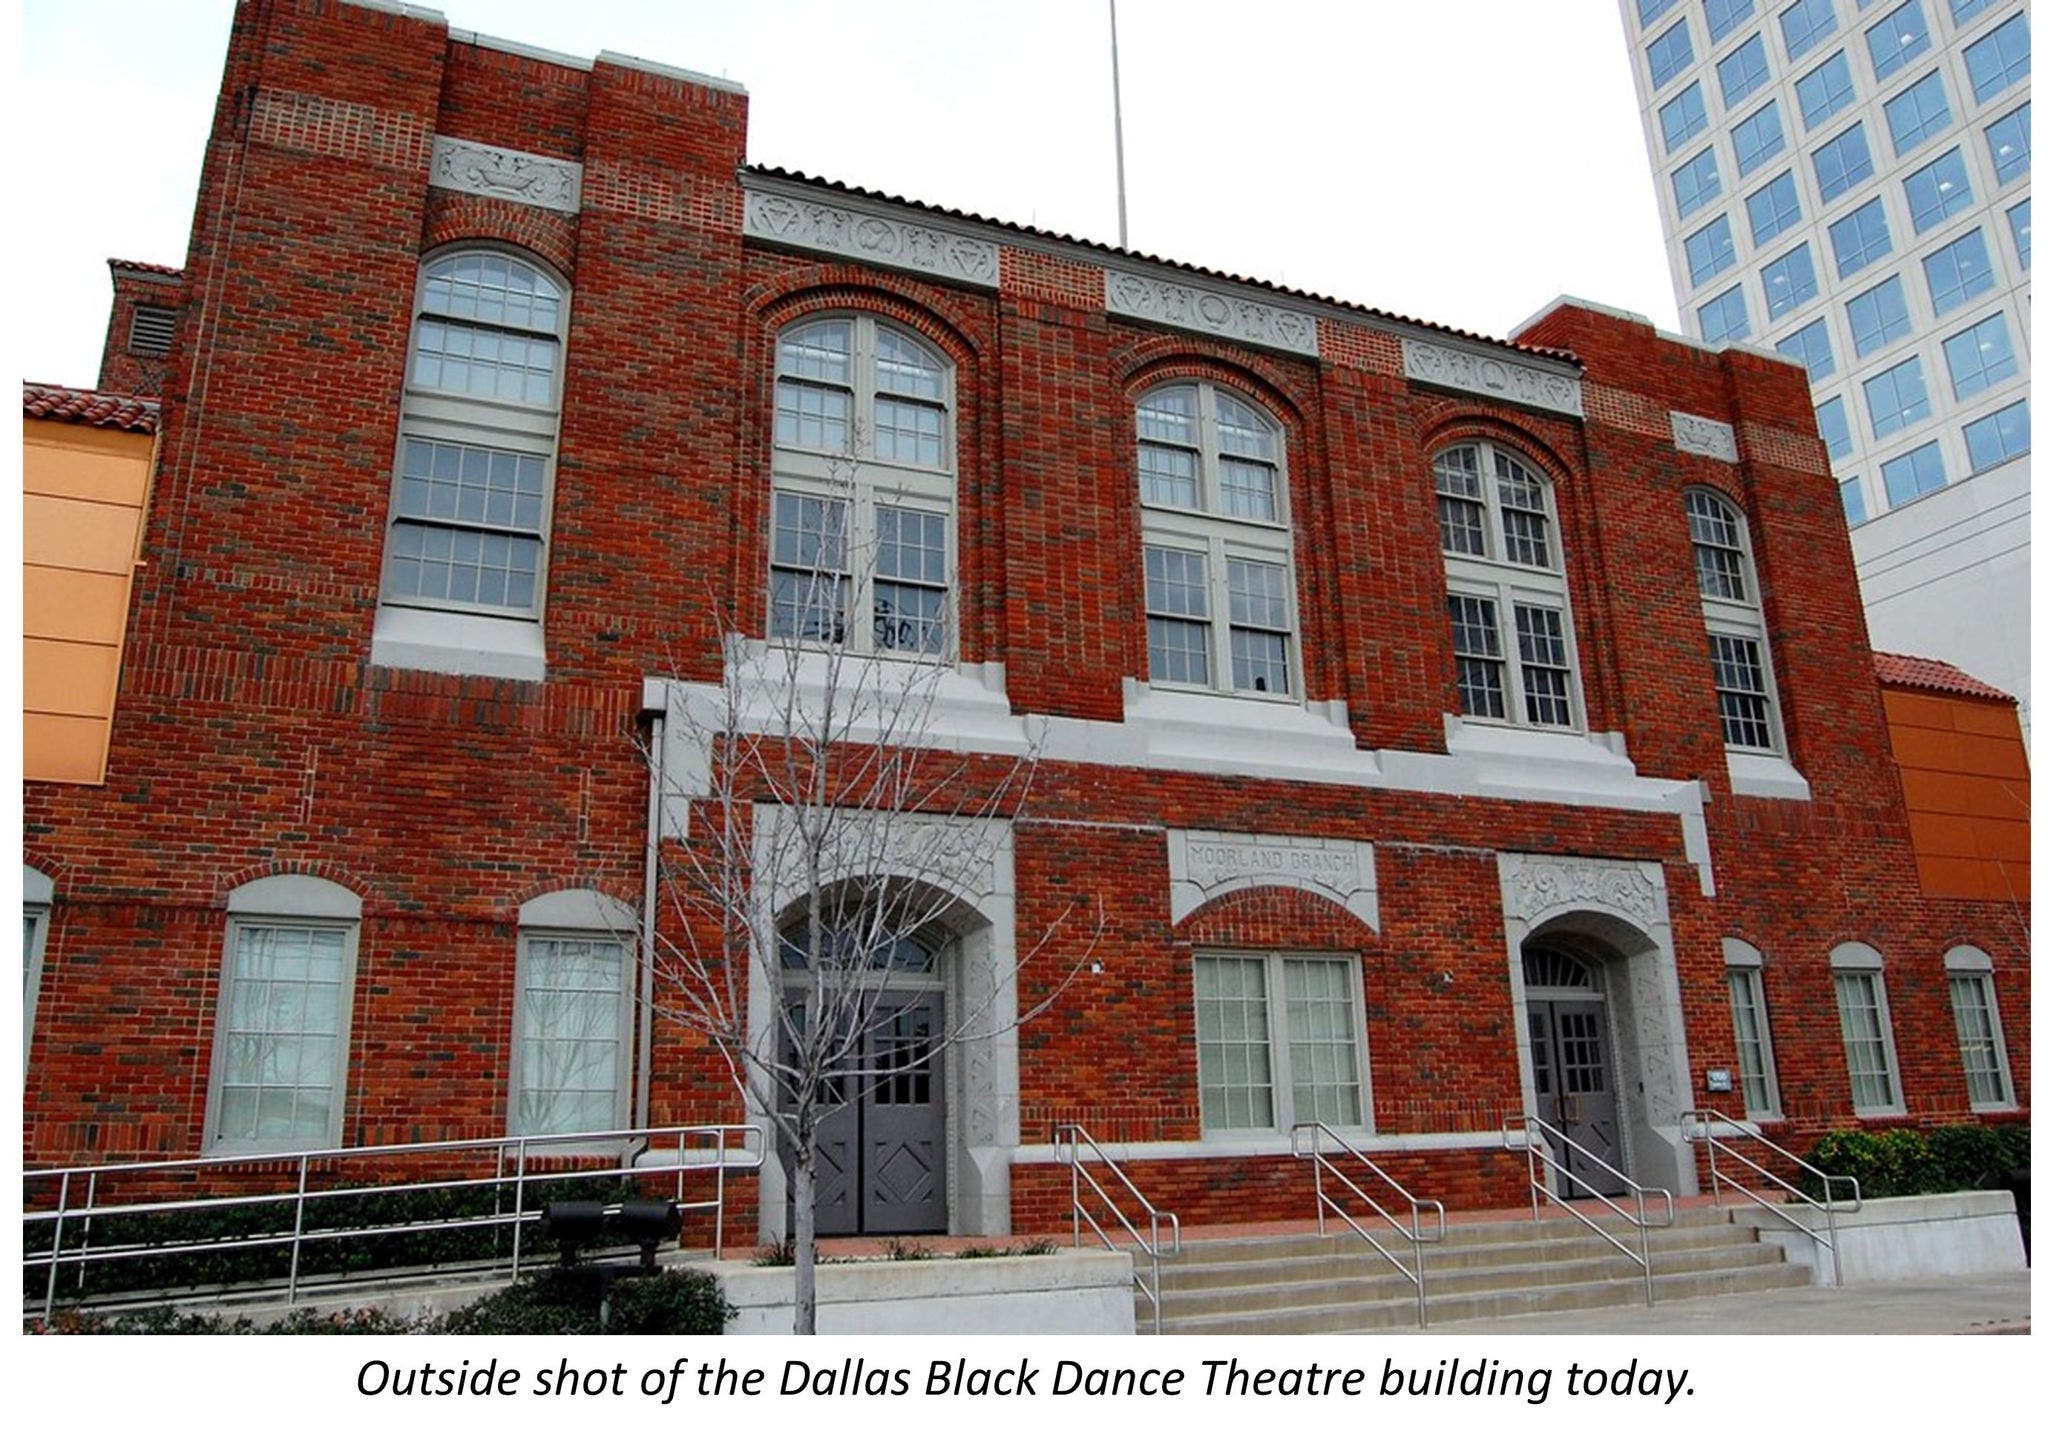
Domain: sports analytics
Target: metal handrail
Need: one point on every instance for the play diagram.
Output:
(1315, 1132)
(1706, 1118)
(1536, 1137)
(1072, 1136)
(715, 1148)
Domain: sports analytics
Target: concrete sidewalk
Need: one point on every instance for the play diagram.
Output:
(1988, 1303)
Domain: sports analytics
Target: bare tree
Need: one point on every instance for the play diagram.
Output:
(829, 832)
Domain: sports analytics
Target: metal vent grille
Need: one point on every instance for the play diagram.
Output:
(150, 331)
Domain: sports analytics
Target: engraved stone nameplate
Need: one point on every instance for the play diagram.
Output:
(1208, 865)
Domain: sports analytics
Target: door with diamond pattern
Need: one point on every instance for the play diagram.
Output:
(1574, 1082)
(882, 1156)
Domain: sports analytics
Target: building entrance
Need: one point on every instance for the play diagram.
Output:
(882, 1155)
(1572, 1067)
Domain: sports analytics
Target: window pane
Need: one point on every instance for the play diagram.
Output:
(1716, 546)
(1166, 475)
(1525, 522)
(1546, 675)
(1710, 250)
(1977, 1038)
(904, 368)
(1878, 316)
(909, 432)
(813, 418)
(820, 351)
(1176, 596)
(1917, 114)
(1757, 139)
(1842, 162)
(2000, 60)
(1724, 15)
(1725, 317)
(1863, 1040)
(494, 289)
(1916, 473)
(1746, 999)
(1810, 347)
(1460, 503)
(280, 1058)
(570, 1040)
(2021, 219)
(1696, 182)
(1980, 357)
(1897, 398)
(1937, 191)
(1739, 691)
(1683, 116)
(1742, 70)
(1998, 437)
(1233, 1042)
(1898, 38)
(1789, 282)
(1824, 90)
(1669, 53)
(1805, 24)
(910, 548)
(1259, 627)
(1322, 1041)
(1774, 209)
(1860, 237)
(1833, 418)
(1475, 642)
(1853, 507)
(2011, 142)
(491, 365)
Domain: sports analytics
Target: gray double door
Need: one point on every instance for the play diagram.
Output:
(882, 1154)
(1572, 1066)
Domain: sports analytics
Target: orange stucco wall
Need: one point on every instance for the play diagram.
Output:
(84, 490)
(1964, 766)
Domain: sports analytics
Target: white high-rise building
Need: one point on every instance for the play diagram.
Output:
(1846, 182)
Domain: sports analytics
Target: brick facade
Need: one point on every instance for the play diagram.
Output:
(257, 738)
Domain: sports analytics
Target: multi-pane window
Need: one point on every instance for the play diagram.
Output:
(1683, 116)
(1279, 1040)
(1742, 70)
(1510, 625)
(1832, 416)
(1866, 1029)
(1878, 316)
(1958, 272)
(1860, 237)
(1962, 12)
(1757, 138)
(2010, 139)
(1710, 250)
(1724, 318)
(1211, 489)
(1998, 437)
(1917, 114)
(1669, 53)
(1842, 162)
(1825, 90)
(1733, 611)
(1810, 347)
(1695, 183)
(1754, 1062)
(860, 525)
(2000, 60)
(1724, 15)
(1979, 1038)
(1774, 209)
(1916, 473)
(1789, 282)
(1896, 39)
(2021, 219)
(1647, 11)
(569, 1057)
(1853, 505)
(1980, 357)
(1805, 24)
(1896, 398)
(1938, 190)
(282, 1049)
(471, 499)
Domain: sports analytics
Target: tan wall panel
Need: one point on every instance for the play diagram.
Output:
(78, 535)
(83, 463)
(73, 605)
(63, 749)
(69, 678)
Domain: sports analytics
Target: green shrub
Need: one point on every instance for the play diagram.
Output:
(1901, 1162)
(570, 1302)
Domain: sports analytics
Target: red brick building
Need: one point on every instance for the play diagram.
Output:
(1445, 728)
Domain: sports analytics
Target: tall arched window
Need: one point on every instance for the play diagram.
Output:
(1743, 690)
(1219, 559)
(473, 493)
(862, 512)
(1511, 628)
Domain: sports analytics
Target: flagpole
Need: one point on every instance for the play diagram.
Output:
(1116, 90)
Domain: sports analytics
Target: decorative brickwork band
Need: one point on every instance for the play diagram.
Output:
(1699, 436)
(1485, 375)
(1212, 313)
(1208, 865)
(513, 175)
(885, 241)
(320, 126)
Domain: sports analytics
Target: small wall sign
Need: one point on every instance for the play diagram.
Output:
(1720, 1079)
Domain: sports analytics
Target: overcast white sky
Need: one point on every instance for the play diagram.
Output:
(1462, 161)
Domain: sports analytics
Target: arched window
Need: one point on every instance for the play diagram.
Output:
(1866, 1017)
(861, 526)
(1511, 629)
(473, 494)
(572, 1022)
(1743, 689)
(1219, 559)
(1980, 1037)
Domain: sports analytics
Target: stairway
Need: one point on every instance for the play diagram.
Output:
(1338, 1284)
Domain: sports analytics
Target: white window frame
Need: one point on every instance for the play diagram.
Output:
(1218, 538)
(456, 418)
(1970, 967)
(576, 915)
(1507, 584)
(1746, 962)
(1278, 1042)
(302, 903)
(1853, 963)
(38, 896)
(1737, 617)
(857, 479)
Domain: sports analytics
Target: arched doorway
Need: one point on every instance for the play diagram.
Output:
(1572, 1065)
(878, 982)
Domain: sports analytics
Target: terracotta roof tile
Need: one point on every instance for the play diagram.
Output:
(148, 268)
(1925, 674)
(90, 408)
(774, 172)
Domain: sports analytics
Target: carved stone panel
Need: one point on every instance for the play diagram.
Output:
(1702, 436)
(1489, 375)
(1208, 865)
(816, 225)
(1537, 888)
(513, 175)
(1209, 312)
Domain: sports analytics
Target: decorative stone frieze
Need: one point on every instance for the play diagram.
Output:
(513, 175)
(1488, 375)
(815, 225)
(1701, 436)
(1209, 312)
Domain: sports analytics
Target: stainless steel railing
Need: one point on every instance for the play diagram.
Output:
(1541, 1137)
(1314, 1134)
(1699, 1125)
(316, 1176)
(1071, 1138)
